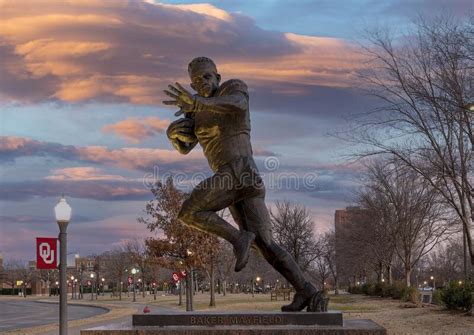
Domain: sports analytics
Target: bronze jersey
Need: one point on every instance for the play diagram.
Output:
(222, 124)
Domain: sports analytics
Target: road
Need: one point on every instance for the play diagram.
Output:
(21, 314)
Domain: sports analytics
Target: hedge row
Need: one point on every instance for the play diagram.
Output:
(455, 296)
(395, 291)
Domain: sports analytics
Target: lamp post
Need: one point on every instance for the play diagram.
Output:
(72, 287)
(258, 281)
(75, 288)
(434, 283)
(63, 214)
(134, 272)
(92, 286)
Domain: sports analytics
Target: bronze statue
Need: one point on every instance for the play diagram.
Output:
(217, 118)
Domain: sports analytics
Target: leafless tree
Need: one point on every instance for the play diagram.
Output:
(137, 250)
(446, 262)
(117, 261)
(328, 251)
(224, 265)
(417, 219)
(425, 83)
(11, 276)
(293, 229)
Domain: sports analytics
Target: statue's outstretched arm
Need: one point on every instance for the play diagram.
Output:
(225, 104)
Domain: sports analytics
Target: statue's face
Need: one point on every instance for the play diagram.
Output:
(205, 82)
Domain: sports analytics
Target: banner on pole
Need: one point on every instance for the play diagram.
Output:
(46, 253)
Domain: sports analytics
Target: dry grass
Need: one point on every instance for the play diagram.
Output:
(387, 312)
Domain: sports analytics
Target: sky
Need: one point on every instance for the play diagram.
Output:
(81, 86)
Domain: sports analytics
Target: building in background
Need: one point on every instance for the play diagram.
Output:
(3, 275)
(346, 250)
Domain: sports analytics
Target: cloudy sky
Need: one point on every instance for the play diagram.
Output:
(80, 95)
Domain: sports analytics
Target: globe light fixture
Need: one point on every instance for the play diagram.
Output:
(62, 212)
(134, 272)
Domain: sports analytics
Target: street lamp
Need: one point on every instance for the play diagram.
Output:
(75, 287)
(434, 283)
(72, 287)
(63, 214)
(92, 286)
(134, 272)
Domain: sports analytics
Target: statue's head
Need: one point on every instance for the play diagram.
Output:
(204, 77)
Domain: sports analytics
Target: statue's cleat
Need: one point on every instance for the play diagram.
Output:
(318, 303)
(300, 299)
(242, 249)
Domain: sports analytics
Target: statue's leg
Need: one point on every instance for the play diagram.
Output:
(199, 211)
(253, 215)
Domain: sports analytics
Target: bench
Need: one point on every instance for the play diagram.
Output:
(282, 292)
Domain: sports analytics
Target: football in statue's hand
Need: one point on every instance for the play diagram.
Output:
(186, 136)
(182, 130)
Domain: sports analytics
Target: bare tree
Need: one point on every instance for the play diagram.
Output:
(117, 261)
(11, 267)
(328, 251)
(446, 262)
(425, 84)
(137, 250)
(293, 229)
(417, 220)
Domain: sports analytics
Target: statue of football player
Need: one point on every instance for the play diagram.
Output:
(217, 118)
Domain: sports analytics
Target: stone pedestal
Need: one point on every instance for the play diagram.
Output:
(209, 319)
(206, 323)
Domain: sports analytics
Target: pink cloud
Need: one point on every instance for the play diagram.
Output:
(144, 159)
(82, 173)
(136, 130)
(128, 51)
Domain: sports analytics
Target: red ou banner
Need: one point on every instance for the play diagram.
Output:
(176, 277)
(46, 253)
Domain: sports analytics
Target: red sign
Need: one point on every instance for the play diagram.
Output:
(130, 280)
(177, 276)
(46, 253)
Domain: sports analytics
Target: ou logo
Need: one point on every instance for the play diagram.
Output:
(46, 253)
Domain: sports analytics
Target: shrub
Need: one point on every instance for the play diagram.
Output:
(411, 294)
(396, 291)
(385, 290)
(371, 289)
(378, 288)
(356, 289)
(457, 296)
(437, 298)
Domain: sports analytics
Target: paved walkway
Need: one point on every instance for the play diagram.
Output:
(125, 320)
(16, 314)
